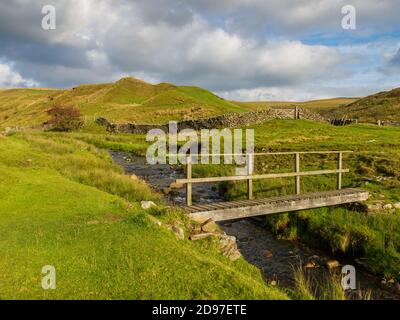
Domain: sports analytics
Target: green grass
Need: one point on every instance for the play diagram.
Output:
(373, 166)
(380, 106)
(64, 203)
(322, 106)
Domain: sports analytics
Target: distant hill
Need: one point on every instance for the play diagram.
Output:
(380, 106)
(322, 106)
(127, 100)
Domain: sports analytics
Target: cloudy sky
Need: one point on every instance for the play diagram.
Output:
(240, 49)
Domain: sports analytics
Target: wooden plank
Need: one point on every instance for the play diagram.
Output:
(189, 185)
(339, 167)
(307, 201)
(297, 170)
(249, 173)
(270, 153)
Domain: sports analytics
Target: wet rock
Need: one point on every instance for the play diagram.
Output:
(175, 185)
(310, 265)
(209, 226)
(267, 254)
(147, 204)
(246, 239)
(178, 232)
(332, 264)
(229, 248)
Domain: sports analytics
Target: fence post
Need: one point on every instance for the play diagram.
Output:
(340, 167)
(249, 173)
(297, 170)
(189, 184)
(296, 113)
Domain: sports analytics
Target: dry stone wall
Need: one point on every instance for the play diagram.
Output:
(233, 120)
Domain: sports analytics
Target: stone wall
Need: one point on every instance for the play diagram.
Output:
(233, 120)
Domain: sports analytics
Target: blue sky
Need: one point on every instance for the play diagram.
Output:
(245, 50)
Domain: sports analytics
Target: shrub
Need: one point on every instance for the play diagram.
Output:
(65, 118)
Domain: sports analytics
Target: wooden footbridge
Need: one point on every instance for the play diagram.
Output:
(254, 207)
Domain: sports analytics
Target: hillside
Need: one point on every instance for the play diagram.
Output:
(65, 203)
(127, 100)
(380, 106)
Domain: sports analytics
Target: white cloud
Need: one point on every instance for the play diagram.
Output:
(252, 48)
(12, 79)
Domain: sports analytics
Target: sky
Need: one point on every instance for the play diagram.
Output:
(240, 49)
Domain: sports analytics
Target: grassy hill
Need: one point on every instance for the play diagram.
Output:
(380, 106)
(127, 100)
(64, 203)
(322, 106)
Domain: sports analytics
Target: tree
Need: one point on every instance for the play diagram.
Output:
(65, 118)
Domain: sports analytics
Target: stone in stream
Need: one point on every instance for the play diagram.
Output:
(246, 239)
(267, 254)
(175, 185)
(332, 264)
(310, 265)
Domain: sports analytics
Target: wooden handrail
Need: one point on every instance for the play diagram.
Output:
(250, 177)
(264, 153)
(260, 176)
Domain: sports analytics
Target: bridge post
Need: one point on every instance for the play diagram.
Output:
(189, 184)
(339, 167)
(249, 173)
(297, 170)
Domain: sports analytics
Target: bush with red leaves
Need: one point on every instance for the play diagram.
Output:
(65, 118)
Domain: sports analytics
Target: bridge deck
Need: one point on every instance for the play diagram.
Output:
(249, 208)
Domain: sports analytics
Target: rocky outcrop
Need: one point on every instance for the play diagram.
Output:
(232, 120)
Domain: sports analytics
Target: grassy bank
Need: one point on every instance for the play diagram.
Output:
(371, 237)
(64, 203)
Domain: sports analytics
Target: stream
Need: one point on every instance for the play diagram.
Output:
(276, 258)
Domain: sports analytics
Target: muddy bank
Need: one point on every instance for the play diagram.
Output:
(276, 258)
